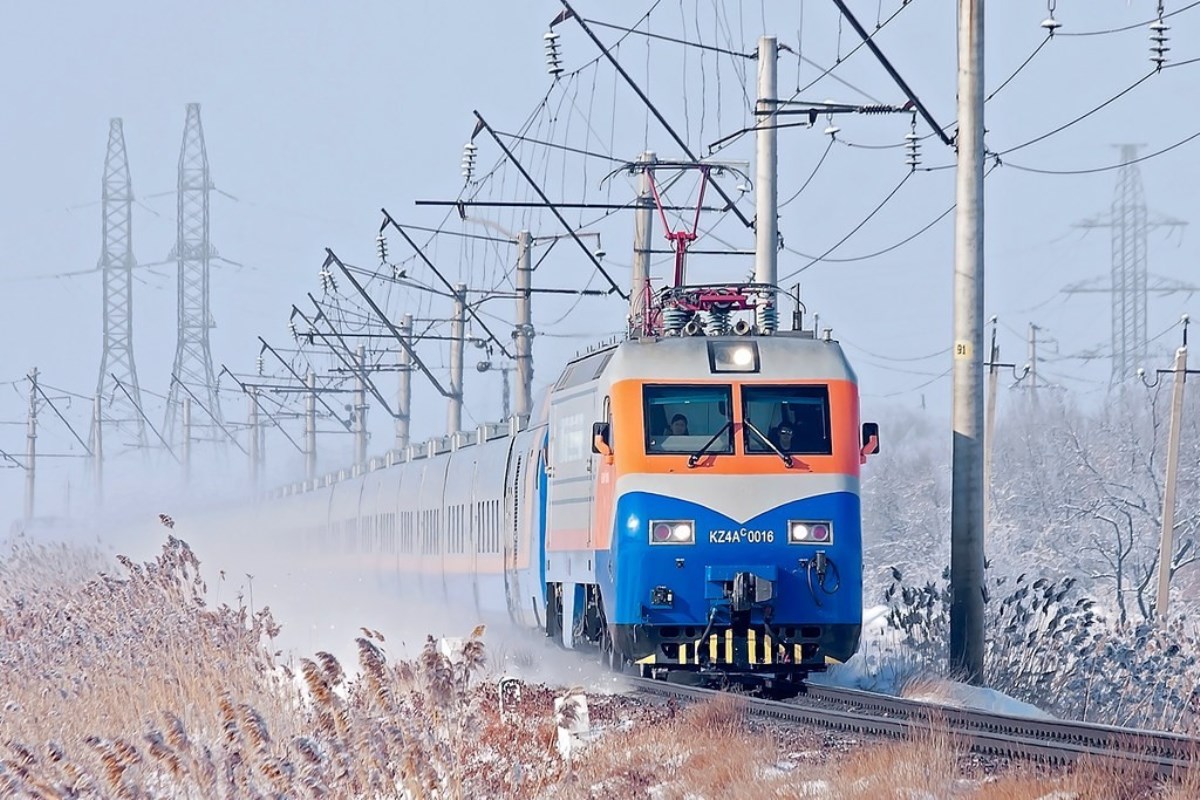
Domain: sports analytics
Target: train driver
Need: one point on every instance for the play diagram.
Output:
(679, 426)
(784, 437)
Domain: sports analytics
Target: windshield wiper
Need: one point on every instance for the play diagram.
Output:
(787, 459)
(695, 457)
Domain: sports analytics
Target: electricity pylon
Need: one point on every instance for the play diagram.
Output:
(1130, 281)
(116, 267)
(193, 253)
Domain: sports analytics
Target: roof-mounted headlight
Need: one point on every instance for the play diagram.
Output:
(734, 356)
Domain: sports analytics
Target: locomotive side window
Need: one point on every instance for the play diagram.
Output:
(790, 419)
(682, 419)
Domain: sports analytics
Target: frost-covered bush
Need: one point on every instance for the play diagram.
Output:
(1049, 645)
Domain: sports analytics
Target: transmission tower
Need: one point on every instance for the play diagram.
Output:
(116, 267)
(1130, 281)
(193, 358)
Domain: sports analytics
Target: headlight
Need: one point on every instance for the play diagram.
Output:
(672, 531)
(735, 356)
(804, 532)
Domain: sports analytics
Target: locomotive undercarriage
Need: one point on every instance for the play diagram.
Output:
(735, 653)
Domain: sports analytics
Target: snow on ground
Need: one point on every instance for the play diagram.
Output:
(881, 666)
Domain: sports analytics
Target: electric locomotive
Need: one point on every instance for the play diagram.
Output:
(685, 503)
(703, 518)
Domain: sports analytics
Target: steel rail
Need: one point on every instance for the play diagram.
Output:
(1042, 740)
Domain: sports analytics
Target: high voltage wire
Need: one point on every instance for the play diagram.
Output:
(811, 175)
(1017, 71)
(842, 60)
(1108, 168)
(1134, 26)
(918, 387)
(1082, 116)
(998, 89)
(926, 357)
(854, 230)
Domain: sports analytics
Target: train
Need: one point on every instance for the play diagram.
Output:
(683, 504)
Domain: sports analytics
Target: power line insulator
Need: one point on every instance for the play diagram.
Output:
(1050, 23)
(553, 55)
(292, 330)
(912, 148)
(260, 365)
(1158, 41)
(468, 161)
(381, 247)
(328, 282)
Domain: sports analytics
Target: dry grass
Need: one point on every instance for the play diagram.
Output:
(126, 684)
(925, 766)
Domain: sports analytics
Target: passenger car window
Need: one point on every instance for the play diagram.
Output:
(795, 419)
(682, 419)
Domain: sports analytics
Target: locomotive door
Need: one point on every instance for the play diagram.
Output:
(569, 471)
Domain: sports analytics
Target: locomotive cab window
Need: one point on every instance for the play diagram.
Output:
(787, 419)
(683, 419)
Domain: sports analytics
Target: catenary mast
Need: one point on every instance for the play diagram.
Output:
(967, 494)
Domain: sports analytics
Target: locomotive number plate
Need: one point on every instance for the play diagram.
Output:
(746, 535)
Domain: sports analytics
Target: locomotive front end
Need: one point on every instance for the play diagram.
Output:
(735, 552)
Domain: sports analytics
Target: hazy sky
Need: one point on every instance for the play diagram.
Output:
(317, 115)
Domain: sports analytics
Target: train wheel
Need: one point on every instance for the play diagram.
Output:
(609, 656)
(554, 612)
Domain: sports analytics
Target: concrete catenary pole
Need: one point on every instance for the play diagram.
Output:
(457, 336)
(766, 223)
(98, 447)
(643, 233)
(523, 333)
(989, 434)
(966, 517)
(310, 426)
(404, 390)
(360, 407)
(255, 440)
(505, 391)
(1168, 517)
(31, 446)
(187, 440)
(1033, 361)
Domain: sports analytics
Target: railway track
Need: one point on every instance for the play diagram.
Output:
(1045, 741)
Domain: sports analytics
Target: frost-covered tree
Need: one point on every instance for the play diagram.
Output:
(906, 501)
(1080, 493)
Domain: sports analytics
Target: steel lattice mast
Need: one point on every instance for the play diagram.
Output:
(1129, 268)
(1130, 284)
(116, 268)
(193, 252)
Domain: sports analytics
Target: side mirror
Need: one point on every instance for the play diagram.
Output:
(870, 439)
(600, 439)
